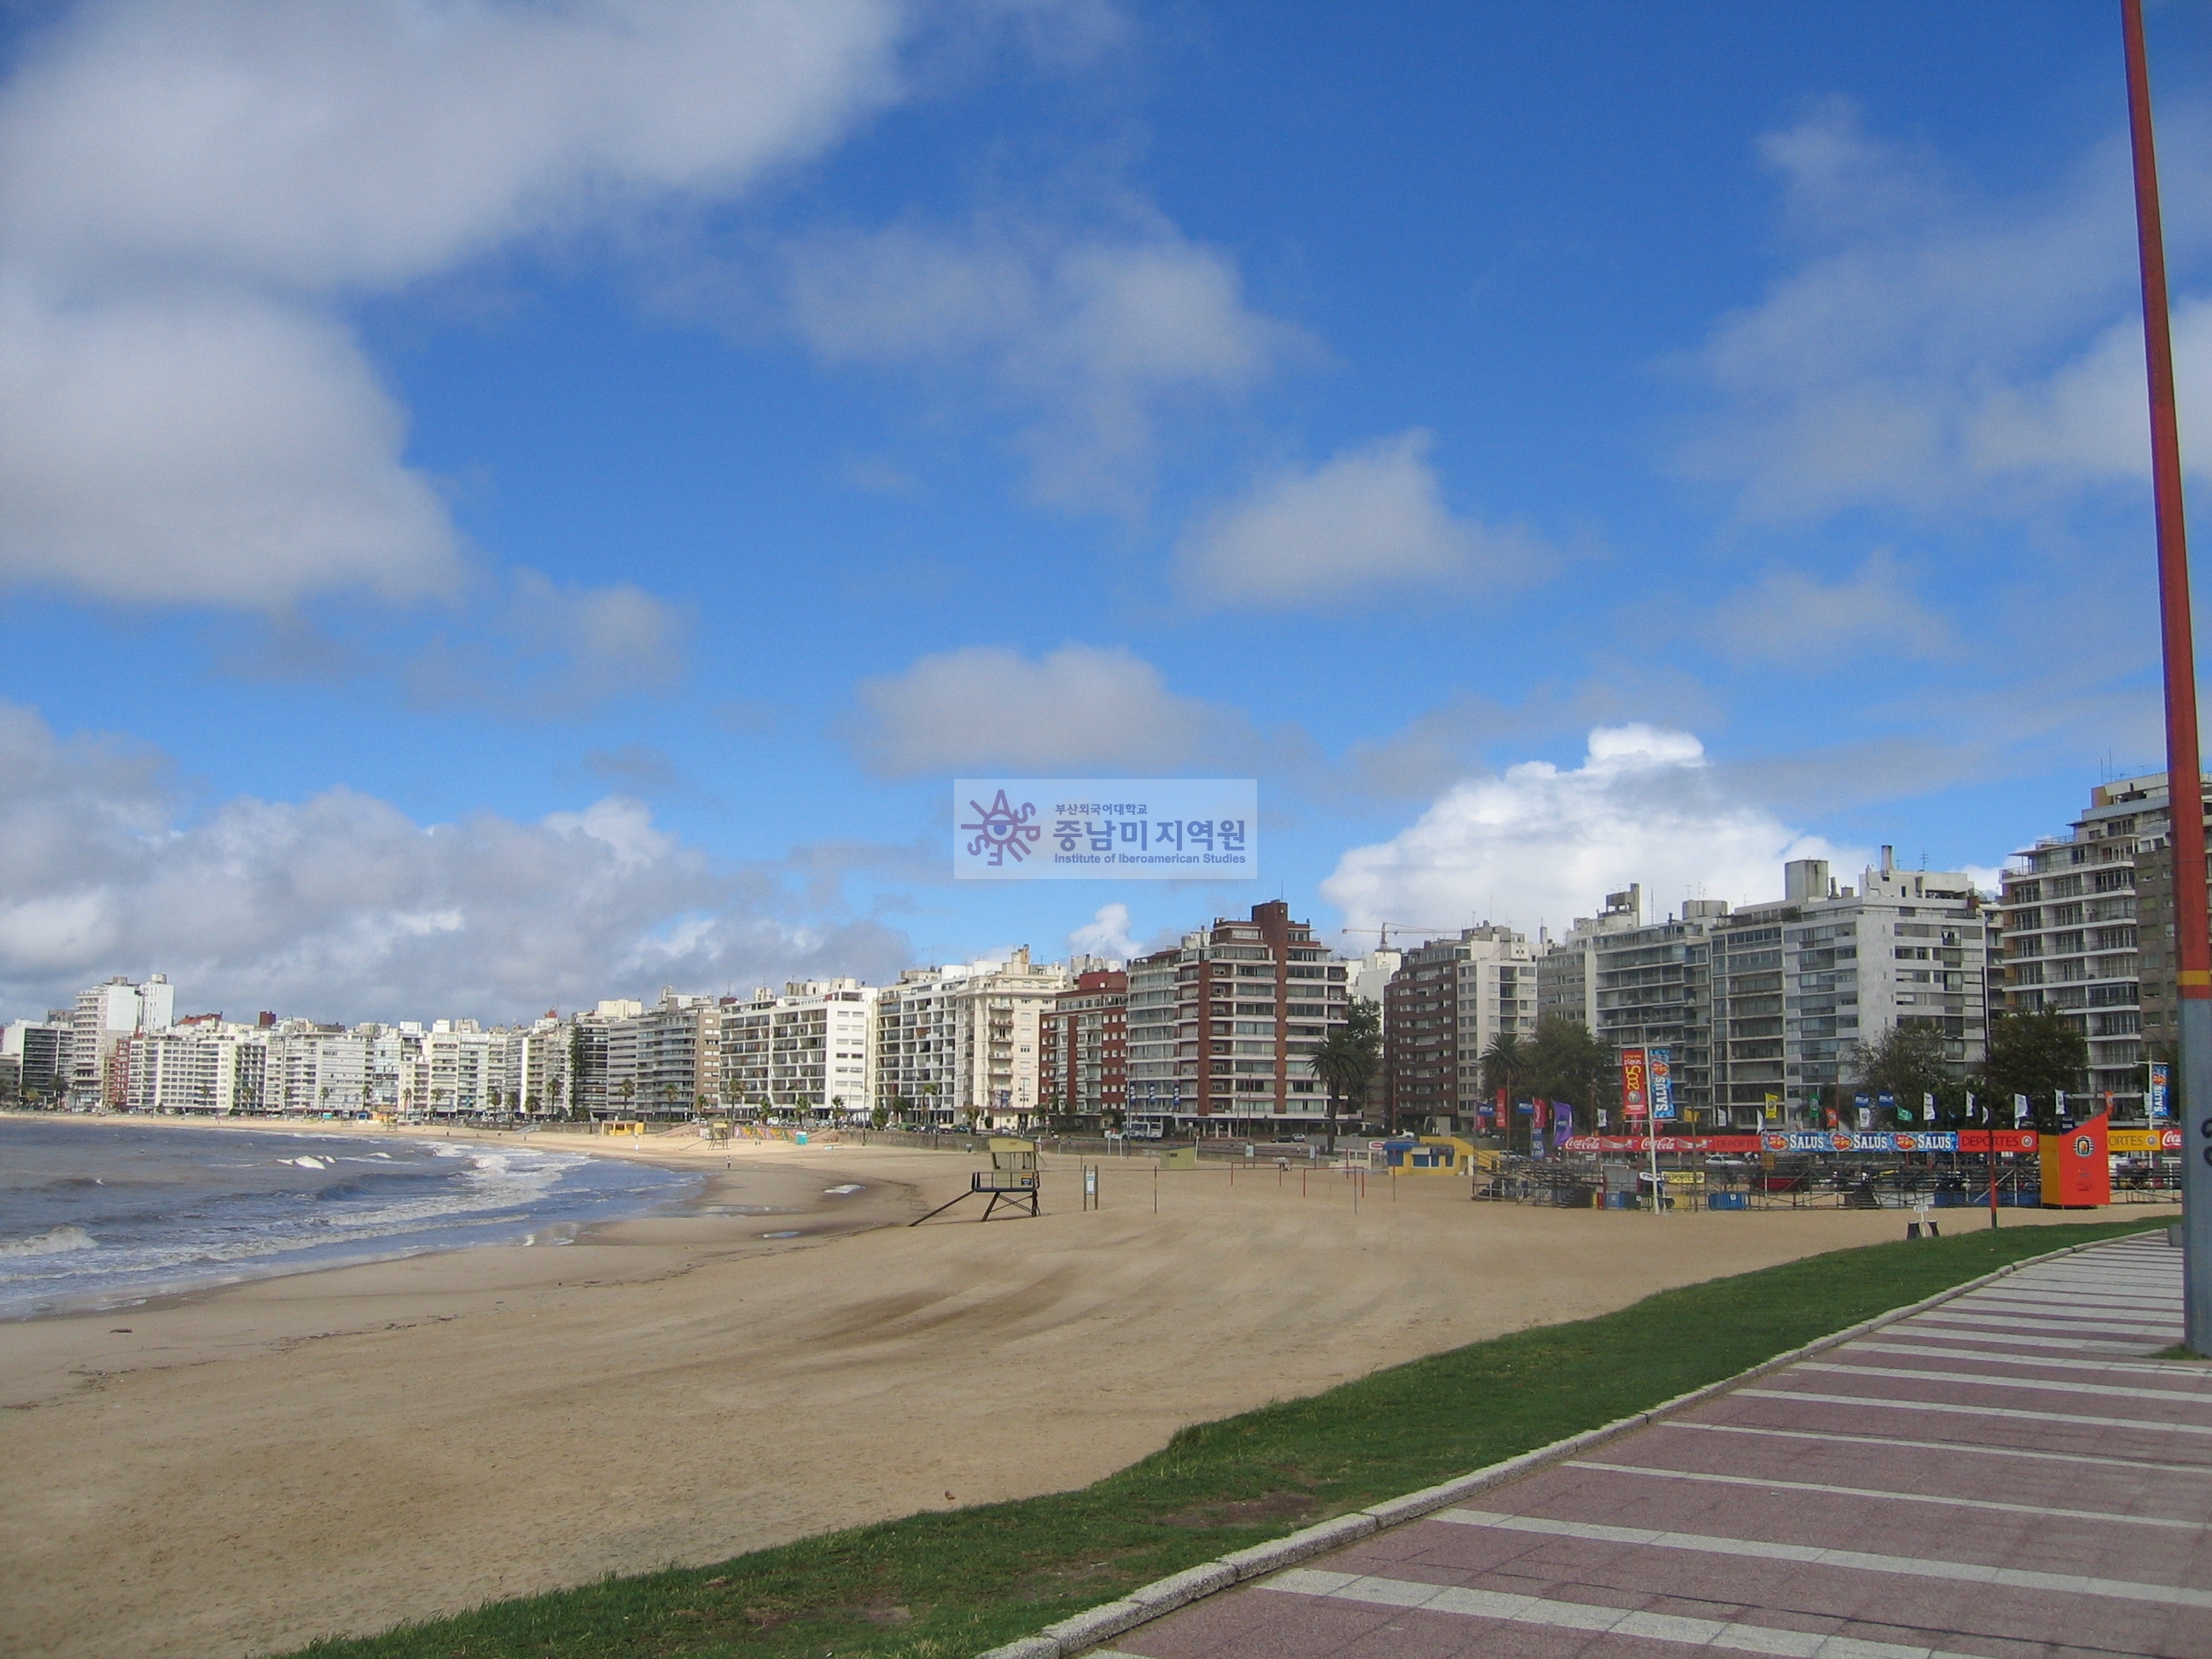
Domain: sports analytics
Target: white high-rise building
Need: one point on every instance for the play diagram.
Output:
(808, 1050)
(105, 1019)
(203, 1066)
(314, 1070)
(963, 1042)
(1796, 986)
(2089, 932)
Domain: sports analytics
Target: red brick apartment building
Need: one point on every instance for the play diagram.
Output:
(1222, 1029)
(1083, 1055)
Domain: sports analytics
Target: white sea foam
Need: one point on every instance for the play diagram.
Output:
(485, 1192)
(58, 1241)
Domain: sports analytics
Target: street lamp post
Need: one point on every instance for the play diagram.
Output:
(2192, 940)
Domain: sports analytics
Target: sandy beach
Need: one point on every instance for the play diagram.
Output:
(240, 1471)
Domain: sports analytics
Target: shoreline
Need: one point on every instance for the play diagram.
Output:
(712, 1199)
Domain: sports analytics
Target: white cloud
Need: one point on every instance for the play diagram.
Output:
(342, 907)
(1090, 335)
(1790, 615)
(1933, 350)
(556, 650)
(188, 194)
(1106, 934)
(1080, 708)
(204, 448)
(1538, 844)
(1365, 521)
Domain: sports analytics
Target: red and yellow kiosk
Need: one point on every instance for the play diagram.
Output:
(2077, 1166)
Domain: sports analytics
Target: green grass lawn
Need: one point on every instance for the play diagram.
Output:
(948, 1586)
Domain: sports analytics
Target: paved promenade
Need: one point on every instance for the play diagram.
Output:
(2009, 1474)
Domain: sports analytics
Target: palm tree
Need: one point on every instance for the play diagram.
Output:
(1503, 1063)
(1347, 1060)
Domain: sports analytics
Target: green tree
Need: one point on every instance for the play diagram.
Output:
(2033, 1055)
(1906, 1062)
(1348, 1059)
(1565, 1063)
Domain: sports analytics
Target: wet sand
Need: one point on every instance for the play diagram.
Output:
(240, 1471)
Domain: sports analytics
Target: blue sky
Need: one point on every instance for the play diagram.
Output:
(506, 505)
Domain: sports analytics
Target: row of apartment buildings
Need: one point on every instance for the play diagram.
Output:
(1219, 1030)
(1757, 1005)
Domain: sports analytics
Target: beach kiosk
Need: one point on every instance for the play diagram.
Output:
(1430, 1154)
(2077, 1166)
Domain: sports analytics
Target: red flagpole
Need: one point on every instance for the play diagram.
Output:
(2184, 766)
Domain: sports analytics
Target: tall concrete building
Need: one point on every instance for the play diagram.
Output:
(1796, 986)
(2088, 920)
(202, 1065)
(1654, 990)
(1250, 1001)
(809, 1049)
(1449, 1001)
(961, 1043)
(34, 1055)
(1566, 967)
(100, 1028)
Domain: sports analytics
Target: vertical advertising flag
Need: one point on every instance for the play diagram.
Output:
(1928, 1109)
(1635, 1084)
(1772, 1109)
(1660, 1063)
(2020, 1109)
(1887, 1103)
(2158, 1086)
(1864, 1108)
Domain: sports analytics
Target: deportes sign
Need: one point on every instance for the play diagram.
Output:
(1105, 829)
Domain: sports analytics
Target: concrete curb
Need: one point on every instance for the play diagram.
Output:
(1164, 1595)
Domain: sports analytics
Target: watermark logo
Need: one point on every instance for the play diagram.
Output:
(1105, 829)
(1003, 830)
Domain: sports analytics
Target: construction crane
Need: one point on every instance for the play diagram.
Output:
(1383, 942)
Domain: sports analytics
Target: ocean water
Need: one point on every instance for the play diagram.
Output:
(102, 1213)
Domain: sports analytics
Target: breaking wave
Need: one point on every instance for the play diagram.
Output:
(56, 1241)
